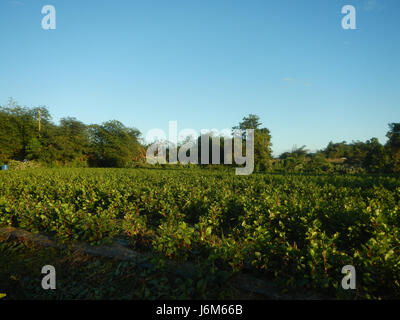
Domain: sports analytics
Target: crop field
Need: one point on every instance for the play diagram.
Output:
(297, 230)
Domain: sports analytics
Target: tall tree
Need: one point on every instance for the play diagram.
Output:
(18, 127)
(377, 159)
(393, 146)
(262, 140)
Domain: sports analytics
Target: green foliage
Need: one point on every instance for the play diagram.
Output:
(23, 165)
(318, 163)
(70, 143)
(252, 121)
(34, 149)
(83, 277)
(17, 128)
(262, 141)
(174, 239)
(113, 144)
(393, 146)
(294, 160)
(297, 229)
(370, 155)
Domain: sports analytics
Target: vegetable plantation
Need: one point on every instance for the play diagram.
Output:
(299, 230)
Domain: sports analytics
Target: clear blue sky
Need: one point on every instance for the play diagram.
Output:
(208, 63)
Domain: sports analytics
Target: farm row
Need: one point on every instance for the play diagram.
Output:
(299, 230)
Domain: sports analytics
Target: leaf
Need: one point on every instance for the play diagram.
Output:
(389, 254)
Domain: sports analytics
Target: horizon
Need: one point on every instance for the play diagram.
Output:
(207, 65)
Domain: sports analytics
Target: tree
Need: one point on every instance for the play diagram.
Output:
(252, 121)
(337, 150)
(295, 159)
(21, 137)
(377, 159)
(356, 153)
(393, 146)
(262, 141)
(18, 127)
(34, 149)
(318, 163)
(72, 140)
(113, 144)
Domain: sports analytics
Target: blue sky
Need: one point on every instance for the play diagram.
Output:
(209, 63)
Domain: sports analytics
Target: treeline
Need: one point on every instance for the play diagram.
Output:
(29, 134)
(356, 157)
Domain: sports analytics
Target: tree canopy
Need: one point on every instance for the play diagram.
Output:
(29, 133)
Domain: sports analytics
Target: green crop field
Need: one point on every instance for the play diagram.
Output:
(298, 230)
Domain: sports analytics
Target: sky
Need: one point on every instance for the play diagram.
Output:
(209, 63)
